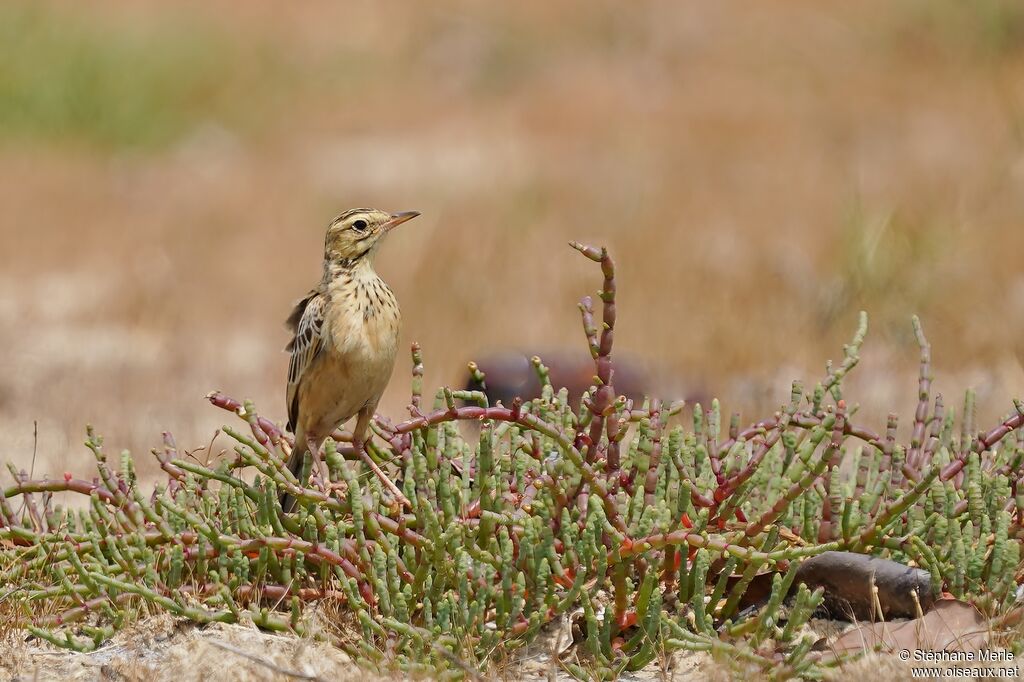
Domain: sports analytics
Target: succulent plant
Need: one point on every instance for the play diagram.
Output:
(649, 528)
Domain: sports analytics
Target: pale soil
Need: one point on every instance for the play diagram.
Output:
(164, 649)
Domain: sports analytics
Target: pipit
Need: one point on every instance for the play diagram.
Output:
(345, 339)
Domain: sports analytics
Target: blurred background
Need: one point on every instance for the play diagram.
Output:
(761, 172)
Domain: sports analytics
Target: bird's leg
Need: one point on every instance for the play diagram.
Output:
(359, 443)
(359, 433)
(319, 465)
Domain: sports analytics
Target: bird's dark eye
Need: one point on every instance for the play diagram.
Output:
(359, 225)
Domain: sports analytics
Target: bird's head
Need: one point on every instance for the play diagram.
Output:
(358, 232)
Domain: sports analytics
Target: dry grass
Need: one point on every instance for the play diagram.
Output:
(761, 173)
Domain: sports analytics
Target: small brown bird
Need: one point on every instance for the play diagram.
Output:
(345, 337)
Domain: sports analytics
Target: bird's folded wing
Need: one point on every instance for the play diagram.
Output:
(307, 321)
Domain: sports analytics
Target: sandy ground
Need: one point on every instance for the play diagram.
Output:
(164, 649)
(167, 650)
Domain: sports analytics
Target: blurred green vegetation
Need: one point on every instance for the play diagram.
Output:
(981, 28)
(68, 77)
(885, 262)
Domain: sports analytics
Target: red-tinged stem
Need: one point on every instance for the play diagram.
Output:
(915, 454)
(998, 433)
(616, 430)
(714, 453)
(85, 609)
(651, 480)
(748, 433)
(700, 500)
(392, 527)
(314, 551)
(828, 529)
(935, 428)
(523, 625)
(806, 481)
(983, 443)
(804, 421)
(892, 510)
(231, 405)
(668, 569)
(885, 444)
(678, 538)
(73, 485)
(732, 483)
(417, 379)
(602, 397)
(528, 421)
(696, 497)
(265, 592)
(170, 453)
(602, 352)
(619, 591)
(888, 447)
(545, 480)
(272, 593)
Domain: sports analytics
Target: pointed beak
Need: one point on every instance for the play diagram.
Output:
(399, 218)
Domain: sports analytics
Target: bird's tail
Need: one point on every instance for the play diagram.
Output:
(295, 466)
